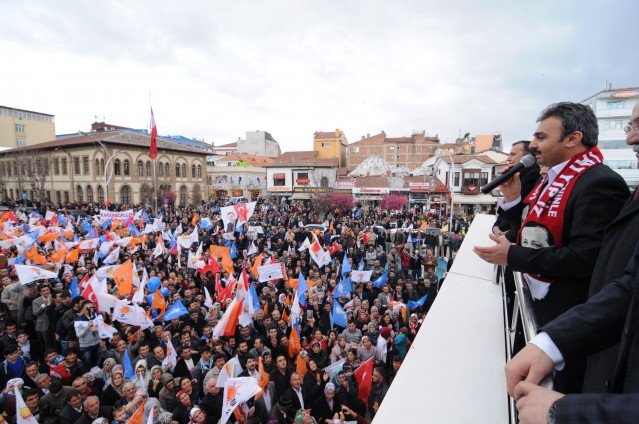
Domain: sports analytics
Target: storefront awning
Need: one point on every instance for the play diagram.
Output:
(279, 176)
(477, 199)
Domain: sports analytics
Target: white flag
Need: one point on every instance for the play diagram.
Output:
(91, 244)
(113, 256)
(171, 356)
(252, 249)
(105, 331)
(23, 414)
(361, 276)
(237, 391)
(231, 369)
(208, 302)
(28, 273)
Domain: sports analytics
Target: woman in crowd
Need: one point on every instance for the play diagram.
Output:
(114, 388)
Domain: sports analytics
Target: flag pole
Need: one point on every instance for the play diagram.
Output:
(153, 152)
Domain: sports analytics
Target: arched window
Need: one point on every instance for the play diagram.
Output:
(199, 171)
(140, 168)
(324, 182)
(161, 170)
(102, 166)
(100, 194)
(166, 169)
(183, 194)
(148, 168)
(116, 167)
(126, 167)
(177, 170)
(192, 171)
(89, 194)
(125, 195)
(97, 167)
(183, 170)
(79, 194)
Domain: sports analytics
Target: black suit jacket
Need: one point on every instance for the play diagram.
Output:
(609, 317)
(595, 200)
(296, 400)
(69, 415)
(616, 250)
(529, 178)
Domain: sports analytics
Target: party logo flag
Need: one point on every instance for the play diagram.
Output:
(123, 276)
(343, 288)
(381, 280)
(175, 311)
(28, 273)
(23, 413)
(339, 315)
(159, 302)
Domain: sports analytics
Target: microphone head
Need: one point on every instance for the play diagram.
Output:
(528, 160)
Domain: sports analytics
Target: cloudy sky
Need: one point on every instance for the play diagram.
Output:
(216, 69)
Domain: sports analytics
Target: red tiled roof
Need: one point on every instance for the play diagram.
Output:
(253, 160)
(459, 159)
(229, 145)
(371, 182)
(117, 138)
(321, 135)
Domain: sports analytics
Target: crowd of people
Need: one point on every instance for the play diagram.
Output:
(63, 364)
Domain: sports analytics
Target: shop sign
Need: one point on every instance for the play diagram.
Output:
(310, 190)
(419, 186)
(371, 190)
(279, 188)
(341, 185)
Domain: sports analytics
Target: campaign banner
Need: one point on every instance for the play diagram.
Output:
(237, 214)
(122, 216)
(270, 272)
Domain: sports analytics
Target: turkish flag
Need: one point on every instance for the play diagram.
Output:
(153, 150)
(333, 248)
(241, 211)
(89, 294)
(364, 376)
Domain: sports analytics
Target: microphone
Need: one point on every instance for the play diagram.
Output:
(525, 162)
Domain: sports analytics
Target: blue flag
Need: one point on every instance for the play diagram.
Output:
(20, 260)
(145, 217)
(302, 286)
(339, 315)
(176, 310)
(74, 288)
(381, 280)
(233, 252)
(62, 219)
(129, 372)
(34, 234)
(346, 266)
(160, 216)
(414, 304)
(106, 224)
(343, 288)
(361, 265)
(256, 300)
(86, 226)
(358, 213)
(134, 231)
(92, 234)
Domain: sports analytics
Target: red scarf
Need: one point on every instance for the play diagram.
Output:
(547, 209)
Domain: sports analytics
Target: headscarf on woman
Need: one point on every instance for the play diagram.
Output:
(148, 407)
(120, 370)
(194, 411)
(106, 375)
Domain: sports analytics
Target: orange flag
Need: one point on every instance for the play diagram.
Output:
(294, 345)
(257, 263)
(300, 366)
(137, 417)
(67, 234)
(58, 256)
(123, 276)
(48, 237)
(159, 302)
(73, 256)
(34, 256)
(115, 224)
(423, 226)
(227, 263)
(195, 219)
(219, 251)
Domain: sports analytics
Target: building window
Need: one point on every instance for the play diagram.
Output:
(125, 195)
(58, 197)
(100, 195)
(102, 168)
(56, 166)
(302, 178)
(66, 197)
(177, 170)
(326, 144)
(48, 195)
(183, 196)
(183, 170)
(475, 179)
(199, 171)
(64, 166)
(616, 124)
(166, 169)
(89, 194)
(85, 165)
(2, 170)
(140, 168)
(20, 142)
(127, 171)
(148, 168)
(356, 149)
(97, 167)
(456, 178)
(20, 128)
(192, 171)
(615, 104)
(279, 180)
(161, 170)
(79, 194)
(324, 182)
(76, 166)
(116, 167)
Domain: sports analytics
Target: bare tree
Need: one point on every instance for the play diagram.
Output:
(196, 195)
(38, 170)
(322, 177)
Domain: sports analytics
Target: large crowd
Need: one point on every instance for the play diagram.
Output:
(70, 359)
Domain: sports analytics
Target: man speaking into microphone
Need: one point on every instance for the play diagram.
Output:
(571, 207)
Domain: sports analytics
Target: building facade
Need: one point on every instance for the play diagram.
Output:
(409, 152)
(613, 108)
(299, 175)
(237, 175)
(259, 143)
(111, 167)
(331, 145)
(19, 127)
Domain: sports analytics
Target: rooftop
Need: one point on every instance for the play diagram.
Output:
(253, 160)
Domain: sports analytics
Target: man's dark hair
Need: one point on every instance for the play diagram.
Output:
(28, 392)
(9, 349)
(380, 371)
(219, 355)
(574, 117)
(525, 144)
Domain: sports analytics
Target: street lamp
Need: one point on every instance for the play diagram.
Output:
(107, 180)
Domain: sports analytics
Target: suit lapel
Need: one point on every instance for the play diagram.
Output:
(630, 208)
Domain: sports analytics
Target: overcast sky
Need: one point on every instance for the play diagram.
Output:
(216, 69)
